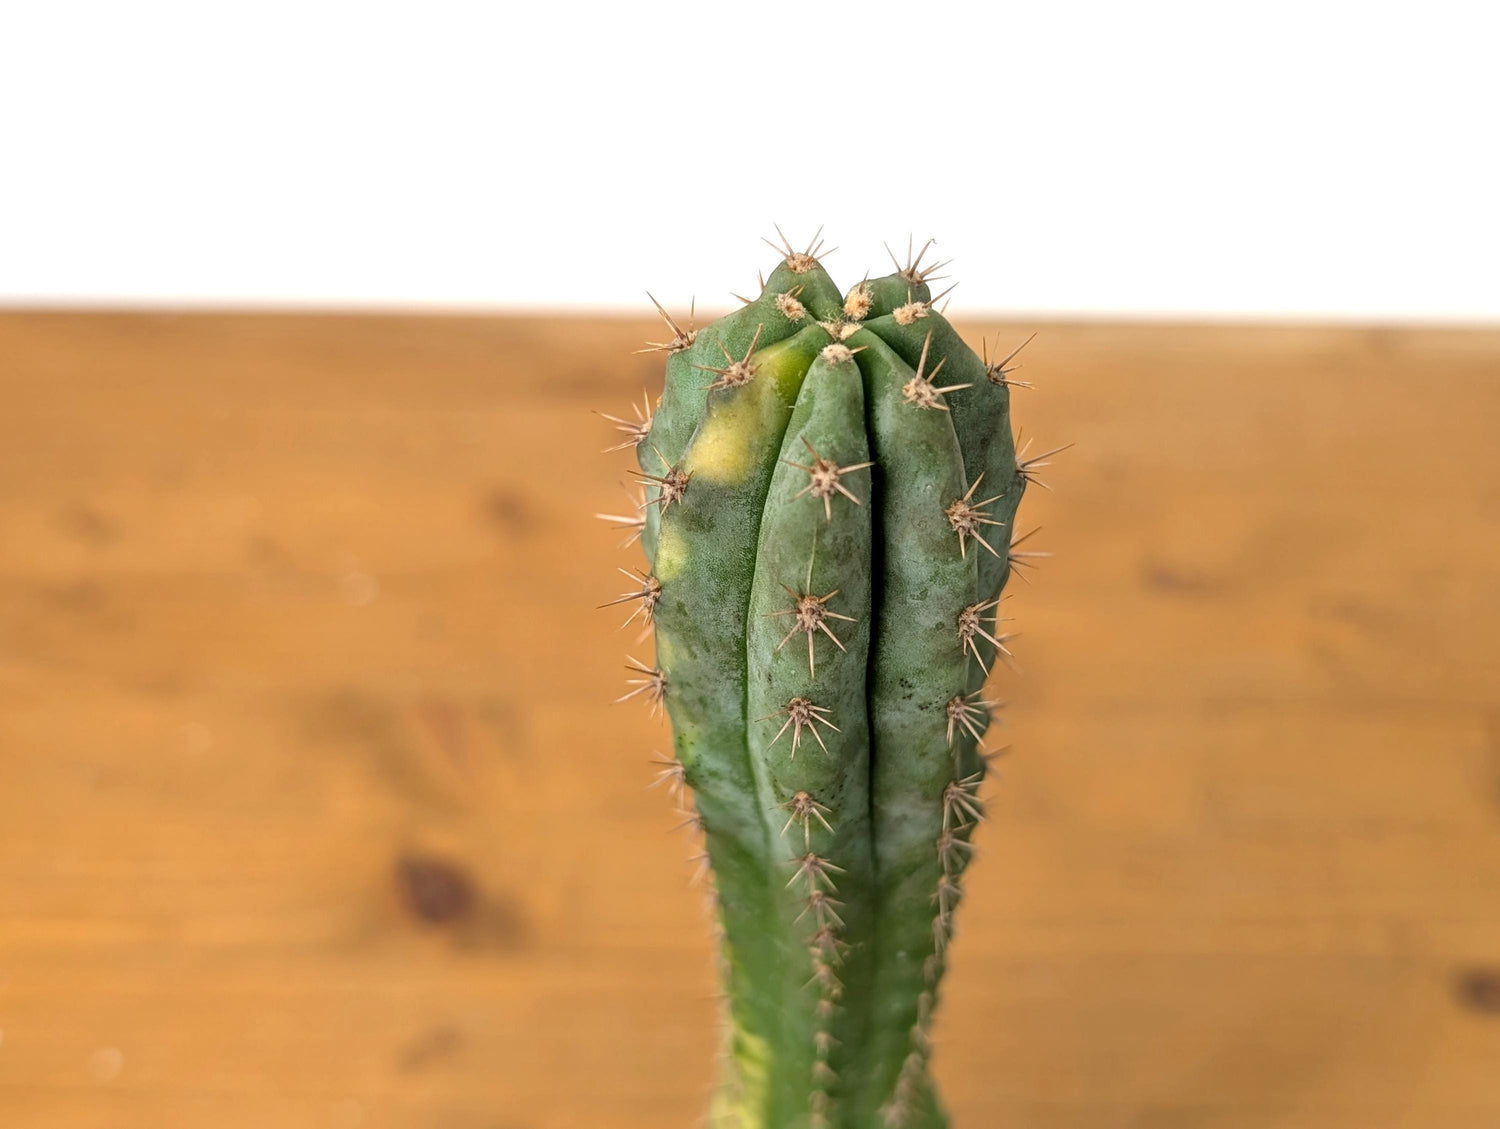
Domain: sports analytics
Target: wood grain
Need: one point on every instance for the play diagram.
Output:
(314, 812)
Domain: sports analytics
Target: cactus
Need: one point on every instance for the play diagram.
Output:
(830, 485)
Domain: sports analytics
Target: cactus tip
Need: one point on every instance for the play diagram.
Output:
(914, 310)
(913, 272)
(799, 262)
(838, 354)
(860, 301)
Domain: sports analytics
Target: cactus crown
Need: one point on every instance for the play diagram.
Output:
(830, 489)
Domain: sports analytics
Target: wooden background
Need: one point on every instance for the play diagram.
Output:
(313, 811)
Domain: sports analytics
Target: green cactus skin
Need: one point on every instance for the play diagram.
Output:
(831, 489)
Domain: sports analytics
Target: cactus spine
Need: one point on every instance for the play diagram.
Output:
(831, 483)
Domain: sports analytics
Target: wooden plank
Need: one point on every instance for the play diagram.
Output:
(313, 811)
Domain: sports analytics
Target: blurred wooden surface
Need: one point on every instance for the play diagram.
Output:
(313, 811)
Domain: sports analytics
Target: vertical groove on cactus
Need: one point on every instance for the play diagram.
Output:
(816, 473)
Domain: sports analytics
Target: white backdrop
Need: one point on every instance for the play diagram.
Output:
(1263, 159)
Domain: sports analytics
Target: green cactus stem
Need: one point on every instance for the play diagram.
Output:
(830, 489)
